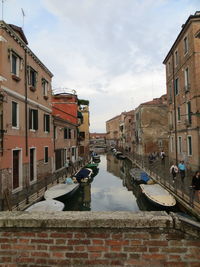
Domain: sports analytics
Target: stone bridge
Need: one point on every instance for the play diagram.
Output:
(98, 239)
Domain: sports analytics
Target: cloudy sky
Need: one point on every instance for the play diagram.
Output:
(109, 51)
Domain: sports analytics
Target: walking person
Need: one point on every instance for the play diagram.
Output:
(182, 169)
(162, 156)
(196, 183)
(173, 171)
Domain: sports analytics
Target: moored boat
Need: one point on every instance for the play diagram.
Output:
(158, 195)
(83, 175)
(46, 205)
(61, 191)
(92, 165)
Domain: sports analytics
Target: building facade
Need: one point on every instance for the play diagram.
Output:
(129, 131)
(84, 129)
(65, 125)
(26, 148)
(183, 91)
(151, 127)
(112, 131)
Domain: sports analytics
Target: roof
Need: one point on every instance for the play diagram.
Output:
(184, 26)
(156, 101)
(20, 32)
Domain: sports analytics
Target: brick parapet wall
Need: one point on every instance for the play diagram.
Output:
(96, 239)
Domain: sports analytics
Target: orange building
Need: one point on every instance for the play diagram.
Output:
(65, 123)
(26, 148)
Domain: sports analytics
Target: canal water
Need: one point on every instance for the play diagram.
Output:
(112, 189)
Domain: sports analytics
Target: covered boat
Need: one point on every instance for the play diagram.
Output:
(47, 205)
(158, 195)
(61, 191)
(84, 175)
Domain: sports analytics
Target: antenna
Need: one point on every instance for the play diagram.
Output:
(23, 15)
(2, 6)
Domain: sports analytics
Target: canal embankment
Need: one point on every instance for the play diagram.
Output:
(181, 190)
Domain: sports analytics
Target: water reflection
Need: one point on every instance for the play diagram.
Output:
(111, 189)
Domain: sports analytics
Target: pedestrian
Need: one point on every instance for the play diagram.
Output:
(182, 169)
(162, 155)
(174, 171)
(196, 183)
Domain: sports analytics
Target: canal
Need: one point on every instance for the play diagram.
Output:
(112, 189)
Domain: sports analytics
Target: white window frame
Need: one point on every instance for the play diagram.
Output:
(188, 147)
(172, 144)
(180, 144)
(45, 87)
(17, 114)
(176, 58)
(169, 68)
(46, 162)
(46, 118)
(176, 86)
(16, 72)
(178, 113)
(35, 165)
(185, 45)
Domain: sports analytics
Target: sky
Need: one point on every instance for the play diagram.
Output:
(109, 51)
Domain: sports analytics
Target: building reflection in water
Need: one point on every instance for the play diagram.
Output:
(111, 189)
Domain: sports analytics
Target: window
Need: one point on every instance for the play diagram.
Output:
(180, 144)
(189, 145)
(55, 132)
(172, 144)
(32, 164)
(67, 133)
(45, 87)
(46, 154)
(33, 119)
(189, 117)
(170, 94)
(15, 62)
(176, 86)
(46, 123)
(176, 58)
(185, 45)
(169, 68)
(82, 135)
(186, 76)
(179, 113)
(32, 75)
(15, 114)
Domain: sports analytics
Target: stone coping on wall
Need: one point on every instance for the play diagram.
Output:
(84, 219)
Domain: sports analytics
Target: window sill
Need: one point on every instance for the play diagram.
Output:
(33, 89)
(16, 78)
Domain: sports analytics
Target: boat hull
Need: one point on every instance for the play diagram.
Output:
(61, 192)
(158, 195)
(46, 206)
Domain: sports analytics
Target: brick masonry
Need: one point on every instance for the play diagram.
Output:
(96, 239)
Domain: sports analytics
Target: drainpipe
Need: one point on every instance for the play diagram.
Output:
(175, 119)
(26, 103)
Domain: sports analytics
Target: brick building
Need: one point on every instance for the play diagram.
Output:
(112, 131)
(129, 131)
(26, 149)
(183, 92)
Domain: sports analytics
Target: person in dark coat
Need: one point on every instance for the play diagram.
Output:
(196, 183)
